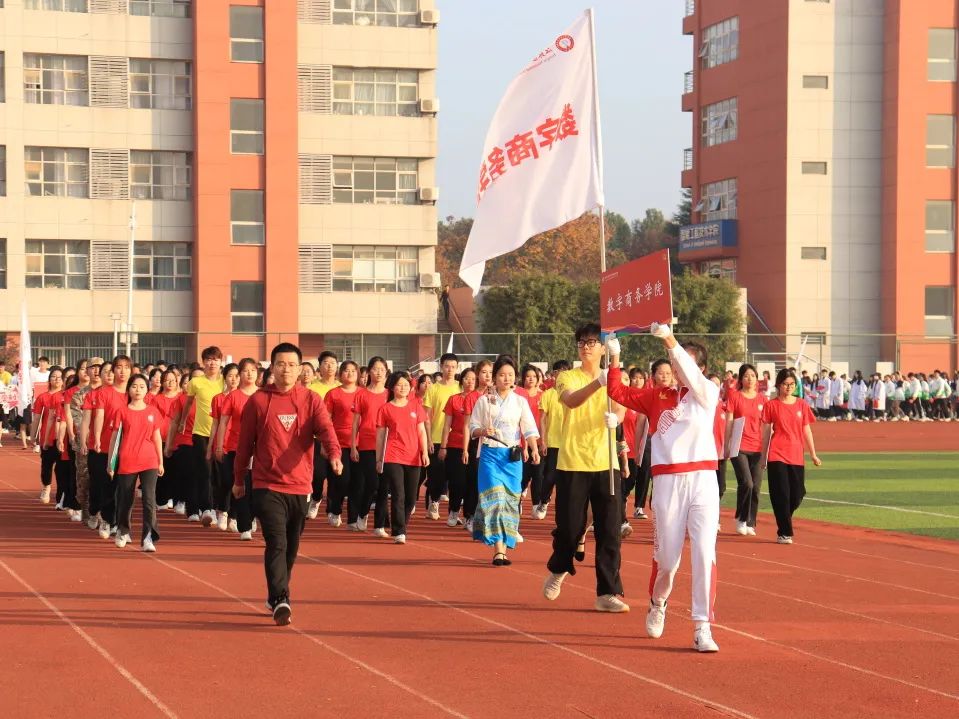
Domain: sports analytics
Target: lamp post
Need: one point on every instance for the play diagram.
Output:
(116, 317)
(133, 232)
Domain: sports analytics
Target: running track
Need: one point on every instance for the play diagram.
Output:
(846, 623)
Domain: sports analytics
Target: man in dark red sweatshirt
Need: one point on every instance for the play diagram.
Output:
(277, 430)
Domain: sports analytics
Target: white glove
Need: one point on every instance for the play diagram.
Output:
(612, 421)
(612, 346)
(658, 330)
(602, 377)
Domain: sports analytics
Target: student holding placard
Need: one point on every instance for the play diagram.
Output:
(744, 422)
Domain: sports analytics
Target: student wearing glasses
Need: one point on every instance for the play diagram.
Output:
(786, 428)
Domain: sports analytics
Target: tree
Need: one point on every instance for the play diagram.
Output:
(706, 308)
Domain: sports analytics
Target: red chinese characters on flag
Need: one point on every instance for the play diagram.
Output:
(634, 295)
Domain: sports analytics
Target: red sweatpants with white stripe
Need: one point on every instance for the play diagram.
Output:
(686, 504)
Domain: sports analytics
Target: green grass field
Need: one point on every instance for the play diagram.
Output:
(927, 485)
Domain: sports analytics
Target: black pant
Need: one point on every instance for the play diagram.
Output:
(337, 485)
(639, 475)
(282, 518)
(787, 487)
(124, 486)
(177, 473)
(749, 482)
(364, 485)
(575, 491)
(455, 477)
(721, 477)
(199, 492)
(471, 495)
(242, 511)
(436, 477)
(549, 475)
(222, 488)
(533, 478)
(403, 480)
(70, 491)
(48, 460)
(101, 490)
(62, 471)
(321, 472)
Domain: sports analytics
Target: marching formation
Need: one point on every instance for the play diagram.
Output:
(246, 448)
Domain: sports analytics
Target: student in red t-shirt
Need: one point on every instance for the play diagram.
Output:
(453, 449)
(229, 411)
(747, 404)
(719, 434)
(484, 381)
(221, 487)
(786, 428)
(105, 402)
(164, 401)
(179, 448)
(339, 403)
(401, 451)
(44, 414)
(533, 473)
(140, 457)
(367, 483)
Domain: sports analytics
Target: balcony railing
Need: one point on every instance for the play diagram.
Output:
(688, 83)
(688, 159)
(690, 7)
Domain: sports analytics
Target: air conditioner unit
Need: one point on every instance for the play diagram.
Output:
(429, 17)
(429, 194)
(429, 105)
(429, 280)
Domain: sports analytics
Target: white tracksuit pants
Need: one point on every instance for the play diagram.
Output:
(686, 503)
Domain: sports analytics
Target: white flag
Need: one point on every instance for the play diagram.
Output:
(541, 162)
(26, 364)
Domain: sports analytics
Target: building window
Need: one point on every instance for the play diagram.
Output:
(246, 306)
(379, 180)
(160, 175)
(720, 122)
(365, 268)
(813, 338)
(814, 168)
(246, 33)
(55, 79)
(160, 8)
(3, 170)
(720, 43)
(61, 264)
(385, 13)
(940, 311)
(719, 269)
(718, 200)
(813, 253)
(940, 140)
(56, 171)
(246, 127)
(162, 265)
(815, 82)
(942, 55)
(3, 261)
(246, 217)
(61, 5)
(160, 84)
(375, 92)
(940, 227)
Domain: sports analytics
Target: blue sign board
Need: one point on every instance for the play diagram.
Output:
(708, 235)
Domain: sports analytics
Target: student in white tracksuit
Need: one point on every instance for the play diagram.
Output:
(684, 461)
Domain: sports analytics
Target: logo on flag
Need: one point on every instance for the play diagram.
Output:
(565, 43)
(286, 420)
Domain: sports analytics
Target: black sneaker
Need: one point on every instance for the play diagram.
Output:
(282, 614)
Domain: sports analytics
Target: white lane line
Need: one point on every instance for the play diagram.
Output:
(486, 620)
(922, 565)
(123, 671)
(333, 650)
(807, 498)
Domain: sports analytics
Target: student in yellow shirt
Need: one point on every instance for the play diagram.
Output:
(582, 476)
(551, 418)
(5, 376)
(434, 402)
(201, 391)
(325, 381)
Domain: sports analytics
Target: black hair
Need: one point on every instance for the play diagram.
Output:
(154, 371)
(130, 384)
(73, 381)
(326, 353)
(213, 352)
(43, 358)
(393, 379)
(528, 368)
(743, 369)
(698, 352)
(634, 371)
(468, 370)
(284, 347)
(437, 376)
(228, 367)
(421, 380)
(245, 362)
(503, 361)
(346, 363)
(121, 358)
(374, 360)
(562, 366)
(449, 356)
(784, 374)
(590, 329)
(163, 377)
(657, 364)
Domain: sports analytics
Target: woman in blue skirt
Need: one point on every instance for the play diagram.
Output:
(498, 421)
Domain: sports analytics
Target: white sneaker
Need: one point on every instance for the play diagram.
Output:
(469, 525)
(703, 640)
(121, 540)
(313, 510)
(334, 520)
(363, 522)
(399, 539)
(444, 498)
(751, 531)
(93, 522)
(453, 519)
(223, 523)
(519, 538)
(45, 495)
(784, 540)
(639, 513)
(59, 505)
(554, 585)
(208, 518)
(355, 526)
(655, 620)
(539, 511)
(624, 531)
(103, 530)
(380, 532)
(434, 510)
(169, 504)
(77, 516)
(412, 511)
(113, 530)
(148, 545)
(233, 526)
(741, 528)
(193, 518)
(179, 508)
(253, 526)
(610, 603)
(246, 536)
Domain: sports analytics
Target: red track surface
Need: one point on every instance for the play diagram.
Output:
(886, 436)
(845, 623)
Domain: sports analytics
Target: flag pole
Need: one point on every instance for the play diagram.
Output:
(598, 159)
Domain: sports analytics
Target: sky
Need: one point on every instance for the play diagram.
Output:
(641, 55)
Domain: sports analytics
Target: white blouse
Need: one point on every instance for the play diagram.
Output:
(511, 417)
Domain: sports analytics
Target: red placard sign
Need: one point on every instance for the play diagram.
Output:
(634, 295)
